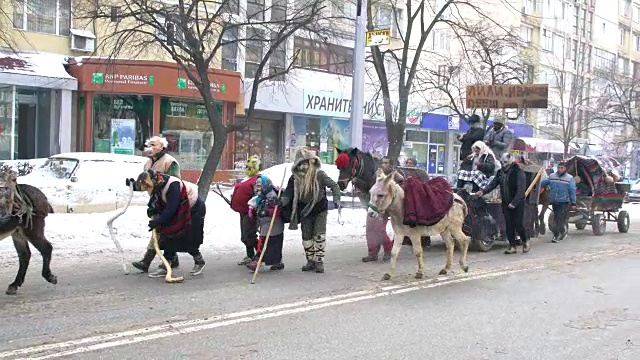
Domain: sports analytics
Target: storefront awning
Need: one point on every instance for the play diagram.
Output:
(530, 145)
(42, 70)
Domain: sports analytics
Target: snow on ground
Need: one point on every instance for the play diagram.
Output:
(75, 235)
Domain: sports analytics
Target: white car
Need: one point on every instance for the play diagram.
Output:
(87, 181)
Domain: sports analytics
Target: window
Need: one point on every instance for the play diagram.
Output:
(390, 18)
(230, 6)
(526, 33)
(636, 70)
(440, 40)
(528, 74)
(636, 42)
(547, 40)
(45, 16)
(255, 9)
(323, 56)
(230, 50)
(443, 75)
(278, 10)
(115, 14)
(636, 13)
(625, 8)
(530, 6)
(278, 60)
(623, 35)
(623, 66)
(306, 7)
(604, 60)
(254, 51)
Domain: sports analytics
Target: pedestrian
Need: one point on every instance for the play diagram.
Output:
(499, 137)
(376, 227)
(242, 193)
(263, 207)
(177, 214)
(563, 192)
(411, 162)
(306, 192)
(475, 133)
(159, 161)
(512, 182)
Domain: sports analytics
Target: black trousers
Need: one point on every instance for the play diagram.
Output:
(514, 221)
(273, 253)
(559, 217)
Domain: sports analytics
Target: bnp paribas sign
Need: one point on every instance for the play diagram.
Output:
(100, 78)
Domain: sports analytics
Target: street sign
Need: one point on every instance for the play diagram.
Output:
(532, 96)
(378, 37)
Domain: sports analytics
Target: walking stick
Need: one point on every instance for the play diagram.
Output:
(112, 233)
(169, 277)
(533, 183)
(266, 240)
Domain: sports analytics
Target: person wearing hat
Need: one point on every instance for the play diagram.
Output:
(475, 133)
(499, 137)
(563, 192)
(243, 192)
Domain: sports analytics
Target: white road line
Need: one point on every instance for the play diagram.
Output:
(123, 338)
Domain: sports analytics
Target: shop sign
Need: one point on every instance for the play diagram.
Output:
(191, 110)
(528, 96)
(378, 37)
(121, 104)
(121, 79)
(184, 84)
(319, 103)
(123, 136)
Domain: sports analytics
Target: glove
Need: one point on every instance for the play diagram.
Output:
(152, 212)
(511, 206)
(152, 225)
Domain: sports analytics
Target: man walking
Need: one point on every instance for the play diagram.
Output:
(563, 192)
(512, 182)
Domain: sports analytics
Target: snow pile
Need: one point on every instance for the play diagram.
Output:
(83, 234)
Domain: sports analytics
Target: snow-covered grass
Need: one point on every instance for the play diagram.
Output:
(82, 234)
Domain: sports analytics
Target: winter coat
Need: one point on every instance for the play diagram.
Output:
(322, 204)
(264, 213)
(486, 165)
(563, 188)
(426, 203)
(242, 193)
(468, 139)
(499, 141)
(512, 184)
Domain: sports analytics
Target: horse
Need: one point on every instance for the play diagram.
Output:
(387, 196)
(23, 209)
(359, 168)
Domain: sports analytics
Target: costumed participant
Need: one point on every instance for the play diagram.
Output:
(263, 205)
(376, 232)
(159, 161)
(475, 133)
(306, 192)
(177, 214)
(242, 193)
(483, 167)
(499, 137)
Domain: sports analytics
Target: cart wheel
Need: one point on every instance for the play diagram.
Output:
(581, 226)
(598, 224)
(623, 221)
(483, 245)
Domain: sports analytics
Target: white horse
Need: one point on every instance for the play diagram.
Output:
(388, 197)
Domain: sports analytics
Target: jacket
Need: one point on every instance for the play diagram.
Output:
(426, 203)
(468, 139)
(563, 188)
(512, 184)
(487, 165)
(499, 141)
(242, 193)
(265, 211)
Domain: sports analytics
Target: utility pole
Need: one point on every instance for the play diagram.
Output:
(357, 82)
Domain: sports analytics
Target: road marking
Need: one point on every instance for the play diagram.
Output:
(94, 343)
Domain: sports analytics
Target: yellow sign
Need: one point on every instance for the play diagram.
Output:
(532, 96)
(378, 37)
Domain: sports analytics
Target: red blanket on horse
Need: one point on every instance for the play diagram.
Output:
(426, 203)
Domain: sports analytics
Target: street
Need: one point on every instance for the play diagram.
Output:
(577, 299)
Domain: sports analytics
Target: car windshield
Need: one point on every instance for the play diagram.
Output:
(59, 168)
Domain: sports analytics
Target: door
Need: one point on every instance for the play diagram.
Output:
(26, 129)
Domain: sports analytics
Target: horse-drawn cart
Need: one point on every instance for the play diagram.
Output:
(599, 197)
(485, 221)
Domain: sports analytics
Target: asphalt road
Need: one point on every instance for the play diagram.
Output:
(574, 300)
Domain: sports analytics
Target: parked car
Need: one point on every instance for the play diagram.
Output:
(87, 179)
(633, 195)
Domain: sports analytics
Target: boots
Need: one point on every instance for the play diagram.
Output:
(309, 266)
(144, 264)
(319, 267)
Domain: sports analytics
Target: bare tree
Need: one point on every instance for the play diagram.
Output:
(193, 32)
(6, 22)
(487, 55)
(621, 103)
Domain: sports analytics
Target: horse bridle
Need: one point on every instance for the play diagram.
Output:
(355, 172)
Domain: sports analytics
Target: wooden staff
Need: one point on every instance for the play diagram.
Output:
(169, 277)
(266, 240)
(533, 183)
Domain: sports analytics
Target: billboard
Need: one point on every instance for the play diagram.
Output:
(532, 96)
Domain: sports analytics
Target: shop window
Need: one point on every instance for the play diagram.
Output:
(261, 138)
(6, 123)
(438, 137)
(185, 125)
(44, 16)
(320, 134)
(417, 136)
(108, 109)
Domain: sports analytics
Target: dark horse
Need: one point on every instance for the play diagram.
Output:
(23, 209)
(361, 172)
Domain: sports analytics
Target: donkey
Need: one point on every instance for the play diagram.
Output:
(387, 196)
(23, 209)
(360, 170)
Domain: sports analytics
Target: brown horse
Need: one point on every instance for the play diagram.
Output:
(23, 209)
(543, 200)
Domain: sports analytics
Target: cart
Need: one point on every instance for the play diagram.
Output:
(599, 200)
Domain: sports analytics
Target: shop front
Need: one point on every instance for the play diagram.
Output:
(35, 106)
(263, 137)
(124, 102)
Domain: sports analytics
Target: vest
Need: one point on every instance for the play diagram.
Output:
(161, 165)
(180, 223)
